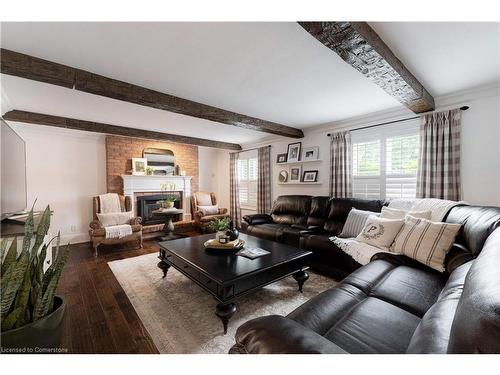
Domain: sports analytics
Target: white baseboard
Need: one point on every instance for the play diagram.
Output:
(74, 238)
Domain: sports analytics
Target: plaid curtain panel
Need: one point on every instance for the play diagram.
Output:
(340, 165)
(439, 162)
(264, 180)
(234, 198)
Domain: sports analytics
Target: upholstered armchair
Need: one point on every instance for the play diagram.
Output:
(199, 203)
(98, 234)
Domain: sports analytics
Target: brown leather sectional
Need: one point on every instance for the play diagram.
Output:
(391, 305)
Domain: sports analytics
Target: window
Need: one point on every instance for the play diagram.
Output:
(385, 162)
(247, 180)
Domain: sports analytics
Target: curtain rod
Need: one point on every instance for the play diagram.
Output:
(463, 108)
(249, 149)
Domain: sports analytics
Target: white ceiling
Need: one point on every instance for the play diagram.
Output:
(445, 56)
(273, 71)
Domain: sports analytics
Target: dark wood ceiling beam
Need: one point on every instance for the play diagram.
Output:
(97, 127)
(360, 46)
(30, 67)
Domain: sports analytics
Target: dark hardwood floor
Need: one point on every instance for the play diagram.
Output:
(99, 316)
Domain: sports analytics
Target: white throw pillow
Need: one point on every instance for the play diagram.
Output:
(426, 241)
(209, 210)
(394, 213)
(115, 218)
(380, 232)
(355, 222)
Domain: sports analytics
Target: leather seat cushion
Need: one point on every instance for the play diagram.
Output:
(413, 290)
(291, 236)
(374, 326)
(269, 231)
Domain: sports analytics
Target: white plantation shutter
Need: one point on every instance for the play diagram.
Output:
(385, 161)
(247, 180)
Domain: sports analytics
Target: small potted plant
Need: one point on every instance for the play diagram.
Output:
(168, 202)
(32, 315)
(149, 171)
(220, 226)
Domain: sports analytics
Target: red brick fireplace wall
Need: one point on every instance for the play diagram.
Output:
(120, 151)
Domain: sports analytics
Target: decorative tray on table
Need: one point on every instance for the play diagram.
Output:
(214, 244)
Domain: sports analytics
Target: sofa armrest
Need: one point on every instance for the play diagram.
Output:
(95, 224)
(222, 211)
(135, 220)
(275, 334)
(258, 219)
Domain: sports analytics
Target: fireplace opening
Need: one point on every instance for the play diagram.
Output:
(146, 204)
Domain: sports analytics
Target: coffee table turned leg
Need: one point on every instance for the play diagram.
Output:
(164, 267)
(225, 312)
(301, 277)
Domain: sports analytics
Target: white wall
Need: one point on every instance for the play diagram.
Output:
(207, 159)
(480, 158)
(65, 168)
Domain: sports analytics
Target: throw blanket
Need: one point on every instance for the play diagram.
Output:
(438, 207)
(110, 203)
(359, 251)
(118, 231)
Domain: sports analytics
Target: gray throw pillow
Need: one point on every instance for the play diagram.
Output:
(355, 222)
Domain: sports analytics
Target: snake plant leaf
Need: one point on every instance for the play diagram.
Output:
(28, 232)
(23, 298)
(45, 301)
(11, 256)
(3, 248)
(13, 283)
(41, 230)
(38, 269)
(10, 320)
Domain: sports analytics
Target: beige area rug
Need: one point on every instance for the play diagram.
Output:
(180, 316)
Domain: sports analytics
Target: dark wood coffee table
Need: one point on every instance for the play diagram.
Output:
(227, 276)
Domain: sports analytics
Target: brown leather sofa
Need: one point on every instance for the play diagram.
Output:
(396, 305)
(97, 232)
(202, 198)
(308, 222)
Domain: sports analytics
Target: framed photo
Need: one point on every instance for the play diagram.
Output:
(293, 154)
(310, 153)
(139, 166)
(310, 176)
(281, 158)
(295, 173)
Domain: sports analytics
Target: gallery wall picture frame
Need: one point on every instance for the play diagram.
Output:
(310, 176)
(295, 173)
(293, 154)
(310, 153)
(281, 158)
(139, 166)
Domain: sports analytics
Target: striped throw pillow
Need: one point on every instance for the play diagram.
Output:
(355, 222)
(425, 241)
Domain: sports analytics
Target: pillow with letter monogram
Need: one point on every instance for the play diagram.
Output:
(380, 232)
(426, 241)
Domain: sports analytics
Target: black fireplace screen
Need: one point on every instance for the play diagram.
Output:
(146, 204)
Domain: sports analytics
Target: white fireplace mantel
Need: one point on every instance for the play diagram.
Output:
(142, 184)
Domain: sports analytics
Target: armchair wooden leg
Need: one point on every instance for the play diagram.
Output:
(95, 245)
(140, 241)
